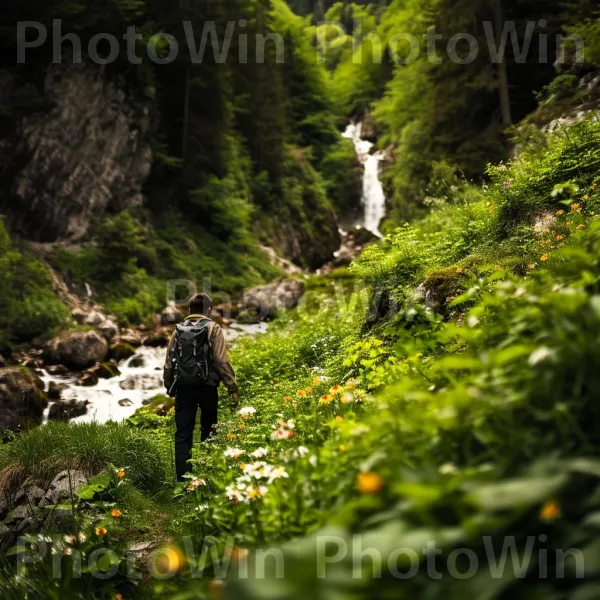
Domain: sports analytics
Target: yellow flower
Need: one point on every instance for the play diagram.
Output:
(308, 389)
(343, 448)
(316, 382)
(550, 511)
(460, 270)
(586, 197)
(492, 207)
(239, 436)
(580, 226)
(559, 238)
(272, 382)
(339, 419)
(101, 531)
(560, 212)
(544, 257)
(300, 393)
(576, 207)
(242, 427)
(326, 399)
(369, 483)
(498, 267)
(116, 512)
(230, 436)
(294, 405)
(120, 473)
(531, 266)
(336, 389)
(287, 398)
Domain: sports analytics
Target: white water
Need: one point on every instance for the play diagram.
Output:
(373, 198)
(104, 398)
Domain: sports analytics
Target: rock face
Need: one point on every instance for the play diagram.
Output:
(88, 154)
(78, 350)
(267, 301)
(22, 399)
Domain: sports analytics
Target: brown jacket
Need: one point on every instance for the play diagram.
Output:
(219, 355)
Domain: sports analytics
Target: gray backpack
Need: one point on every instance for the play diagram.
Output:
(192, 358)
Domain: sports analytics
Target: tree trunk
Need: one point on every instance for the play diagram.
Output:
(502, 72)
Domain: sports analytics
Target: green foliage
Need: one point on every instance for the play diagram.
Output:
(30, 307)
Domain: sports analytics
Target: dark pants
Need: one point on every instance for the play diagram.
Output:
(187, 402)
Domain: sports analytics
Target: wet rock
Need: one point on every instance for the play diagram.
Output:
(88, 379)
(267, 301)
(95, 318)
(109, 330)
(55, 390)
(79, 315)
(67, 409)
(105, 370)
(32, 363)
(137, 362)
(121, 351)
(171, 315)
(131, 337)
(141, 382)
(58, 370)
(22, 399)
(125, 402)
(159, 339)
(78, 350)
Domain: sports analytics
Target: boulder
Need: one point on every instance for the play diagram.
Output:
(105, 370)
(267, 301)
(78, 350)
(171, 315)
(64, 486)
(55, 390)
(109, 330)
(121, 351)
(137, 362)
(95, 318)
(141, 382)
(131, 337)
(125, 402)
(159, 338)
(59, 370)
(67, 409)
(22, 399)
(88, 379)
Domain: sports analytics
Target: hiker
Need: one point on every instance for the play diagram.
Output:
(195, 366)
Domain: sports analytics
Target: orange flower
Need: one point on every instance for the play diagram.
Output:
(294, 405)
(339, 419)
(230, 436)
(116, 512)
(300, 393)
(121, 473)
(369, 483)
(308, 389)
(316, 382)
(560, 212)
(287, 398)
(580, 226)
(101, 531)
(576, 207)
(559, 238)
(550, 511)
(460, 270)
(531, 266)
(118, 596)
(242, 427)
(594, 188)
(326, 399)
(336, 389)
(544, 257)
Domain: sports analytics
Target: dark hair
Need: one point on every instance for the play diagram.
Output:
(200, 304)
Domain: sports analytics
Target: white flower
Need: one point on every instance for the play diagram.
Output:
(277, 473)
(260, 453)
(234, 494)
(247, 411)
(313, 460)
(540, 355)
(234, 453)
(301, 451)
(448, 469)
(473, 321)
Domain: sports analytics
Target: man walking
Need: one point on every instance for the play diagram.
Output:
(196, 364)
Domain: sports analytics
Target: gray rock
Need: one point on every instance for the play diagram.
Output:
(137, 362)
(171, 315)
(141, 382)
(63, 486)
(267, 301)
(55, 390)
(67, 409)
(125, 402)
(79, 350)
(109, 330)
(22, 399)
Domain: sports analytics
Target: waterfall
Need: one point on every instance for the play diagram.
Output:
(373, 198)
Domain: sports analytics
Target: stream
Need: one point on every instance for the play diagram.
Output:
(140, 380)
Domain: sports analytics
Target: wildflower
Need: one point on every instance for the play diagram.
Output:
(544, 257)
(242, 426)
(343, 448)
(336, 389)
(272, 382)
(547, 217)
(560, 212)
(580, 227)
(120, 473)
(559, 238)
(116, 513)
(326, 399)
(460, 270)
(287, 398)
(550, 511)
(294, 405)
(586, 197)
(234, 453)
(492, 207)
(172, 409)
(540, 355)
(239, 436)
(118, 596)
(284, 431)
(301, 393)
(246, 412)
(260, 453)
(576, 207)
(316, 381)
(234, 494)
(448, 469)
(101, 531)
(308, 389)
(302, 451)
(594, 188)
(230, 436)
(369, 483)
(339, 419)
(506, 185)
(531, 266)
(195, 483)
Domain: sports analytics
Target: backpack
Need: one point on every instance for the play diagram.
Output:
(192, 358)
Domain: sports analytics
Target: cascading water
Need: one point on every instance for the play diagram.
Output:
(373, 198)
